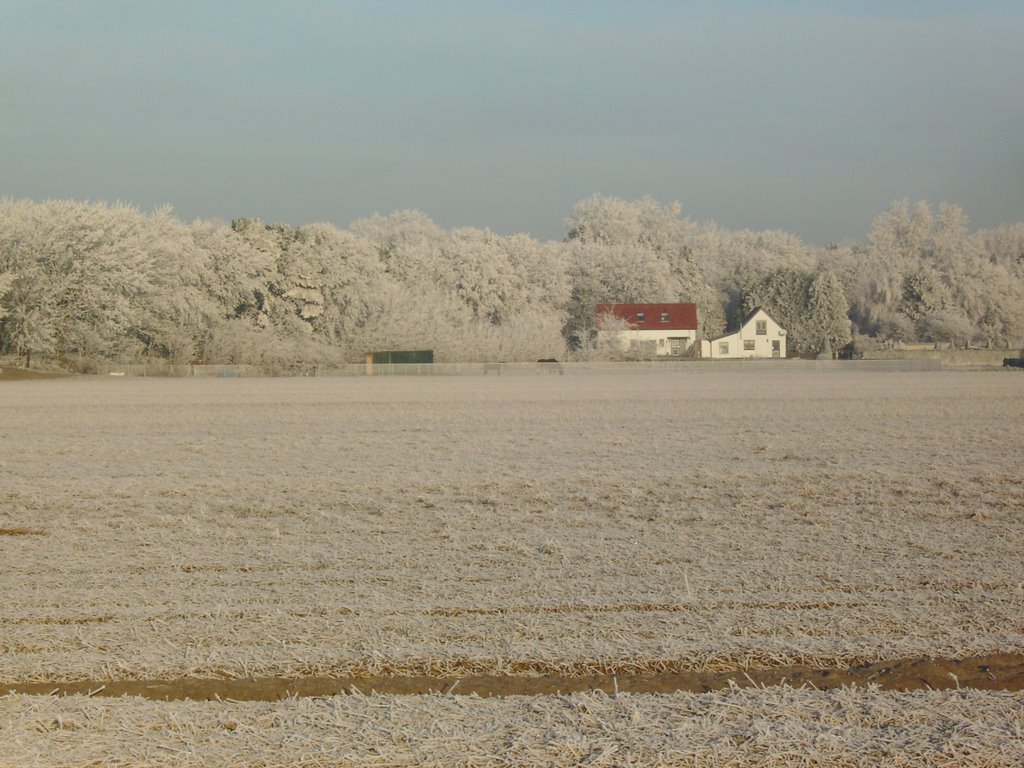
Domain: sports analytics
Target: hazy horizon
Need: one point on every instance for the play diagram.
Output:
(805, 117)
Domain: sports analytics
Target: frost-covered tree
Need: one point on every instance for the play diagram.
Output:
(608, 341)
(611, 220)
(533, 334)
(82, 282)
(992, 299)
(229, 272)
(948, 325)
(921, 263)
(6, 281)
(180, 302)
(1003, 247)
(828, 320)
(481, 275)
(408, 244)
(27, 323)
(352, 279)
(541, 270)
(924, 293)
(897, 238)
(601, 273)
(633, 251)
(413, 318)
(84, 266)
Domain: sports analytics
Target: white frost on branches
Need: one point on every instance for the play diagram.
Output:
(85, 282)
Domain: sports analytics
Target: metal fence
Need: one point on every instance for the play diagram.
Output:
(178, 371)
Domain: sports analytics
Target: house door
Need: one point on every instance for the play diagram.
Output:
(776, 349)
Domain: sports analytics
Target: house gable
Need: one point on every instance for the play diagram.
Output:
(758, 336)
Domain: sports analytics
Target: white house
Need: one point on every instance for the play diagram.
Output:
(759, 336)
(649, 330)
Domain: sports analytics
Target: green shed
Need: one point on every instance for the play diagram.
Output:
(402, 357)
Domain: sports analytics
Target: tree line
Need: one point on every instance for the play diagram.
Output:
(86, 282)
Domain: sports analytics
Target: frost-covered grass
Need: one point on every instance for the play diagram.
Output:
(773, 727)
(155, 528)
(238, 527)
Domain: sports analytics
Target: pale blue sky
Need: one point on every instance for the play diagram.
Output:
(805, 116)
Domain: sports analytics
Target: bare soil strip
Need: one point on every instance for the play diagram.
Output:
(1004, 672)
(21, 374)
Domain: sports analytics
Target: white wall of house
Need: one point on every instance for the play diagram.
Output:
(759, 336)
(667, 343)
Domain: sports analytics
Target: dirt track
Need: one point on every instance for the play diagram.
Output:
(997, 672)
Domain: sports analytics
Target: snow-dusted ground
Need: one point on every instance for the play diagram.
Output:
(293, 526)
(773, 727)
(156, 528)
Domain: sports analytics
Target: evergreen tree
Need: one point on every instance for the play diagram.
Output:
(828, 320)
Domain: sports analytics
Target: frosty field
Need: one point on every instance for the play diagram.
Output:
(521, 526)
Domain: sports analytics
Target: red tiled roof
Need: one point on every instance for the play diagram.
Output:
(648, 317)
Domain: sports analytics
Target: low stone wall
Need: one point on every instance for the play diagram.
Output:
(601, 367)
(949, 357)
(919, 362)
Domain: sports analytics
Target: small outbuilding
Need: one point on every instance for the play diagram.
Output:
(401, 357)
(759, 336)
(413, 360)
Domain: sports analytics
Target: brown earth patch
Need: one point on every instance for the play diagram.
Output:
(1003, 672)
(21, 531)
(20, 374)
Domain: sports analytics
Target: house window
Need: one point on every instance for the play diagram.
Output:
(762, 327)
(723, 347)
(661, 342)
(748, 345)
(664, 317)
(640, 317)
